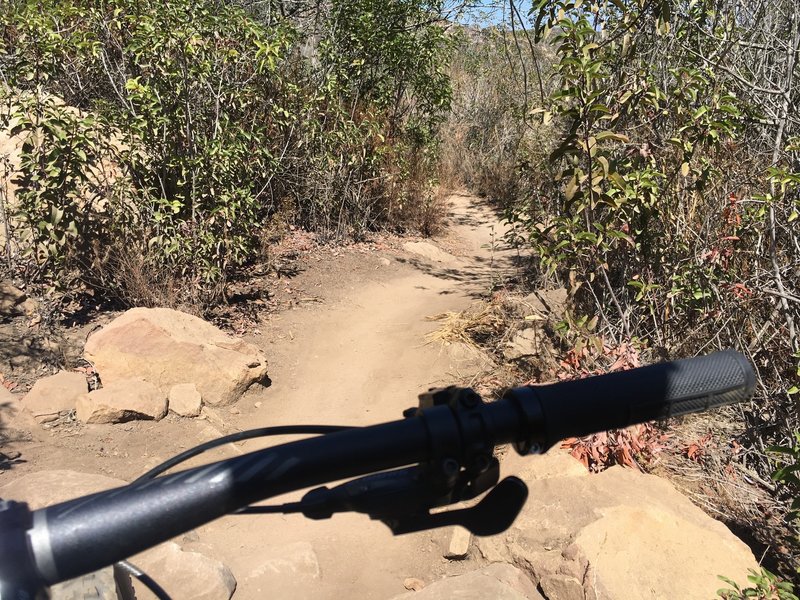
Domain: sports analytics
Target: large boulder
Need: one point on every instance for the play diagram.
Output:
(55, 394)
(122, 400)
(168, 347)
(498, 582)
(618, 534)
(44, 488)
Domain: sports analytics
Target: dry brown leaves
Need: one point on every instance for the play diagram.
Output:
(633, 447)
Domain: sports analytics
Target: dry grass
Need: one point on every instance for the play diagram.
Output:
(473, 327)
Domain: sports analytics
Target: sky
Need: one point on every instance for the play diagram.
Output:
(490, 12)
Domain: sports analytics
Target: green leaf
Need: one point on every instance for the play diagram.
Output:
(610, 135)
(571, 189)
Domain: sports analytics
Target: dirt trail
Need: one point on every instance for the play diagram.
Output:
(359, 358)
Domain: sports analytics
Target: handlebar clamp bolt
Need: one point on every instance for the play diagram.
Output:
(470, 399)
(450, 467)
(535, 448)
(481, 463)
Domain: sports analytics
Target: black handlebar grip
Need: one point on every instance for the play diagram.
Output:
(576, 408)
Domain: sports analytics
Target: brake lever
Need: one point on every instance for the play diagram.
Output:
(492, 515)
(402, 500)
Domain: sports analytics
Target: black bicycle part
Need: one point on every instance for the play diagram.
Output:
(237, 437)
(83, 535)
(151, 584)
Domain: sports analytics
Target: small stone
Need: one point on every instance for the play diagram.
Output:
(526, 342)
(385, 262)
(122, 400)
(498, 582)
(234, 411)
(185, 574)
(185, 400)
(258, 404)
(19, 361)
(562, 587)
(52, 395)
(459, 544)
(11, 297)
(413, 584)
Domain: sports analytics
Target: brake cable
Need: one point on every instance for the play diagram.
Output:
(237, 437)
(132, 570)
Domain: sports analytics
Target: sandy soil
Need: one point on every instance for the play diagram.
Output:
(350, 349)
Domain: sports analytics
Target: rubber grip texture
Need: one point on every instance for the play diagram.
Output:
(616, 400)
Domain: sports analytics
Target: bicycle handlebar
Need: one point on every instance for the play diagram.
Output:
(80, 536)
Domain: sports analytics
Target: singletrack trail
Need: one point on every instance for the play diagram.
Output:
(359, 357)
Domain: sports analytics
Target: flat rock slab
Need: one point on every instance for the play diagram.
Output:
(430, 252)
(120, 401)
(618, 534)
(495, 582)
(185, 400)
(44, 488)
(168, 347)
(184, 574)
(55, 394)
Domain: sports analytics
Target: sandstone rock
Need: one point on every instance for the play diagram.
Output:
(551, 302)
(14, 302)
(55, 394)
(498, 582)
(122, 400)
(526, 342)
(556, 462)
(459, 544)
(620, 534)
(413, 584)
(6, 397)
(44, 488)
(185, 574)
(297, 560)
(185, 400)
(562, 587)
(429, 251)
(666, 552)
(99, 585)
(168, 347)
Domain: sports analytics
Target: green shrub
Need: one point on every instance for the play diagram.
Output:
(209, 120)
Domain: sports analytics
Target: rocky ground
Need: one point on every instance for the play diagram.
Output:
(347, 343)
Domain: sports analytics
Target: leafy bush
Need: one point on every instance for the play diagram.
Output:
(766, 586)
(209, 121)
(666, 195)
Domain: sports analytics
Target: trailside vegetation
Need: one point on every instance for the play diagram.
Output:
(159, 144)
(650, 160)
